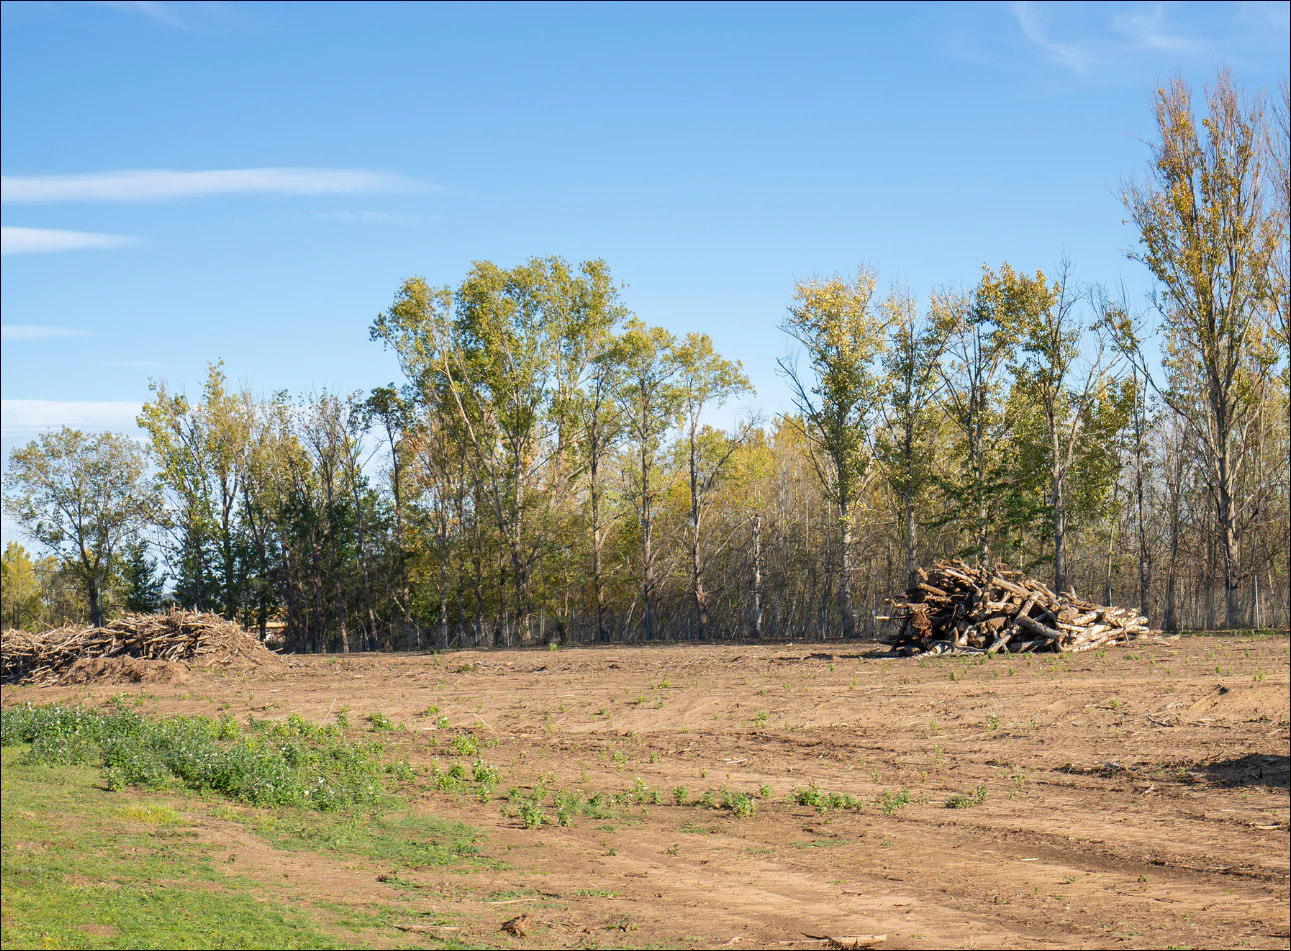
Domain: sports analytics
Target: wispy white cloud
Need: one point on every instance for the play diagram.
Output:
(160, 12)
(38, 332)
(1097, 35)
(1146, 29)
(47, 240)
(27, 417)
(1070, 55)
(142, 185)
(379, 216)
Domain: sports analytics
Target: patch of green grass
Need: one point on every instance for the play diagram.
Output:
(77, 870)
(818, 843)
(400, 837)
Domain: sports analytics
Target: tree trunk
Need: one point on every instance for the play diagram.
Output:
(368, 641)
(1059, 516)
(911, 541)
(845, 567)
(647, 555)
(696, 557)
(598, 540)
(757, 575)
(1145, 550)
(96, 609)
(1230, 550)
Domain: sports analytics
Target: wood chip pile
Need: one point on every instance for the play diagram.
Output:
(963, 609)
(190, 636)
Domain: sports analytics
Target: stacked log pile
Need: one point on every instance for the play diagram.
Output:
(960, 608)
(177, 635)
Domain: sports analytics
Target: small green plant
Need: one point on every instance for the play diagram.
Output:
(765, 791)
(967, 801)
(891, 803)
(741, 805)
(465, 744)
(640, 794)
(485, 773)
(992, 723)
(532, 814)
(380, 722)
(680, 795)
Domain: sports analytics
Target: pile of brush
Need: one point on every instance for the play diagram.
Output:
(177, 635)
(961, 608)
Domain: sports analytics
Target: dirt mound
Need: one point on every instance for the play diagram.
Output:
(124, 670)
(175, 638)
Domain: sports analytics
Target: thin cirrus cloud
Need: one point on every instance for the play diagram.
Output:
(38, 332)
(1144, 29)
(160, 12)
(48, 240)
(26, 417)
(1071, 55)
(156, 185)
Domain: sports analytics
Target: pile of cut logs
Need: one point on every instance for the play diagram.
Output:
(965, 609)
(174, 636)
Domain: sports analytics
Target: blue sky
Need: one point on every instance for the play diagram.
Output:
(185, 183)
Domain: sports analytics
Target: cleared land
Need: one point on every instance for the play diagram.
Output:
(1134, 797)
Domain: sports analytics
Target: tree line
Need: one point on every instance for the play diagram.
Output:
(549, 466)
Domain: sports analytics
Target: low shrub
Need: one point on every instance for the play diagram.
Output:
(823, 801)
(292, 762)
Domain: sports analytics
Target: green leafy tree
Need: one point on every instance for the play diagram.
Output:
(705, 380)
(980, 342)
(648, 398)
(906, 445)
(144, 583)
(842, 332)
(201, 453)
(1062, 366)
(20, 596)
(82, 497)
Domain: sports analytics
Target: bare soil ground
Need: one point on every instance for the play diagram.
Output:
(1134, 798)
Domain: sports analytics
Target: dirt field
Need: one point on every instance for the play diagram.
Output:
(1134, 798)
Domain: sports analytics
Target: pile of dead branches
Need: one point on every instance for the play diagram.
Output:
(177, 635)
(960, 608)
